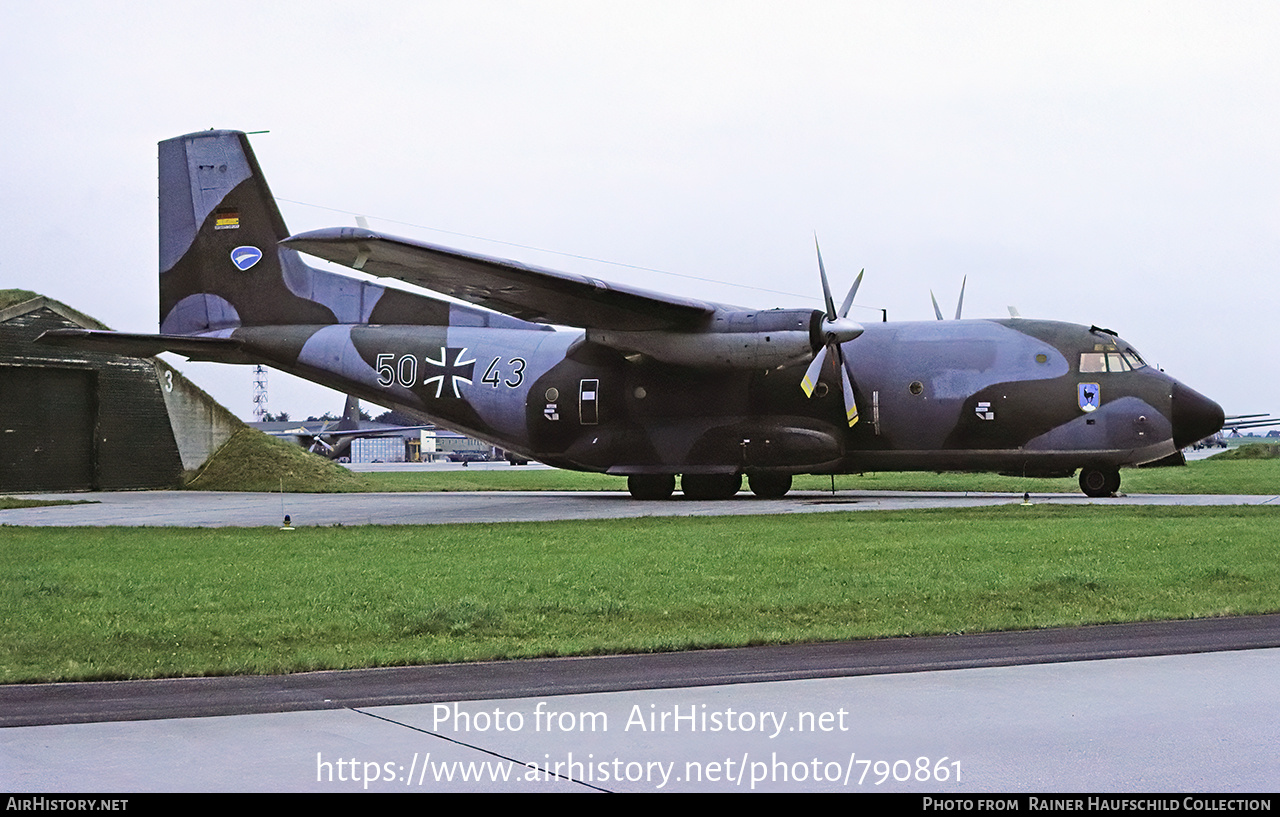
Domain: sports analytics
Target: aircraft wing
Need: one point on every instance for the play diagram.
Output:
(353, 433)
(525, 292)
(220, 350)
(1247, 421)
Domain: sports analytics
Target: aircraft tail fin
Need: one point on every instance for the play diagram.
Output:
(220, 263)
(350, 414)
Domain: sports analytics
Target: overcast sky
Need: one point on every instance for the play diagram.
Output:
(1103, 163)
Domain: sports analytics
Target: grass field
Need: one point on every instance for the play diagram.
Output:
(7, 502)
(130, 603)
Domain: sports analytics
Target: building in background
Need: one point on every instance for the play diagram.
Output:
(80, 421)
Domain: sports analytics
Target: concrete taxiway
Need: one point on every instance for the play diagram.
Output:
(218, 509)
(1158, 707)
(1082, 709)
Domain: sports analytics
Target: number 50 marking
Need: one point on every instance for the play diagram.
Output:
(405, 371)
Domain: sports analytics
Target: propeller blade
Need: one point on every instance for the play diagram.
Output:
(850, 405)
(826, 288)
(853, 290)
(936, 310)
(960, 303)
(814, 371)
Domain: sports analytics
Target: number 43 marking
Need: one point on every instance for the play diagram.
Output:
(493, 376)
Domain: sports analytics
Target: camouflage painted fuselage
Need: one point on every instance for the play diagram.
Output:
(952, 395)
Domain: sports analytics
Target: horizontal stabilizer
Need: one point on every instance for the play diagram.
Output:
(219, 350)
(525, 292)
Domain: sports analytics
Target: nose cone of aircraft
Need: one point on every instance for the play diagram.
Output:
(1194, 416)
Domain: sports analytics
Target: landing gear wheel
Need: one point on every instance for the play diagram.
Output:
(1099, 482)
(651, 486)
(769, 486)
(710, 486)
(1113, 482)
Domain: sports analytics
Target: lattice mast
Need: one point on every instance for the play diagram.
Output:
(259, 393)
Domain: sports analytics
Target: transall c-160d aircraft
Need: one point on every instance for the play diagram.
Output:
(646, 386)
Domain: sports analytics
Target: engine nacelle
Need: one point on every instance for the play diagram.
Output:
(732, 340)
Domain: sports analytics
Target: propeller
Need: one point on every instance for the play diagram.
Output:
(834, 330)
(959, 303)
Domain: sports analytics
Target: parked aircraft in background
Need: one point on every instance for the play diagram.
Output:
(647, 386)
(1233, 425)
(1236, 423)
(334, 437)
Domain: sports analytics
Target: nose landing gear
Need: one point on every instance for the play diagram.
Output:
(1099, 481)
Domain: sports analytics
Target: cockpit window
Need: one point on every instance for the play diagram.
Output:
(1110, 361)
(1093, 362)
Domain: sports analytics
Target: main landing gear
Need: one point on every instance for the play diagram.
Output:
(651, 486)
(710, 486)
(769, 486)
(707, 486)
(1099, 481)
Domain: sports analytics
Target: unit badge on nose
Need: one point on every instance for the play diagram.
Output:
(1090, 397)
